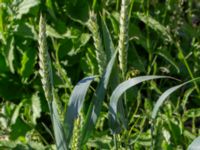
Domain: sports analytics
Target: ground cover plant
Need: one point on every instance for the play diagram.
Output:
(79, 74)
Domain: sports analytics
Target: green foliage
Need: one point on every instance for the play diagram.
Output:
(77, 53)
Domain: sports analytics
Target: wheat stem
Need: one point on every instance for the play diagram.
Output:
(100, 53)
(123, 36)
(45, 62)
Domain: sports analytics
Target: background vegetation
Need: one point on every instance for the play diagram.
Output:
(82, 36)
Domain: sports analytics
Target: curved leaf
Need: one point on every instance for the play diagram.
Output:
(195, 145)
(118, 92)
(163, 97)
(97, 100)
(25, 6)
(75, 103)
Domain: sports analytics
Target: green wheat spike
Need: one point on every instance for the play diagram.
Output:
(123, 36)
(45, 62)
(76, 138)
(100, 53)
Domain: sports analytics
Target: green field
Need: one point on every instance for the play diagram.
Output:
(99, 74)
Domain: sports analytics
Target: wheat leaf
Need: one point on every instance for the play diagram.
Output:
(75, 103)
(116, 95)
(163, 97)
(195, 145)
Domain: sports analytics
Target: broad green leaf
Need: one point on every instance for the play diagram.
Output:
(25, 30)
(15, 114)
(53, 33)
(137, 35)
(11, 83)
(50, 8)
(167, 93)
(3, 65)
(28, 62)
(25, 6)
(76, 103)
(97, 100)
(116, 95)
(36, 107)
(195, 145)
(20, 128)
(9, 54)
(138, 63)
(78, 11)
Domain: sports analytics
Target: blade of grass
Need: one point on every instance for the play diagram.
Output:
(163, 97)
(75, 104)
(161, 100)
(116, 95)
(57, 128)
(97, 100)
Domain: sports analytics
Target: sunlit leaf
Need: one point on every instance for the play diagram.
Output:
(25, 6)
(36, 107)
(20, 128)
(25, 30)
(28, 62)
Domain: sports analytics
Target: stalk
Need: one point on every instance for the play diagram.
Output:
(123, 36)
(100, 53)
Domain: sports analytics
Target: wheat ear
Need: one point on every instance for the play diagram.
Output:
(76, 138)
(100, 53)
(45, 62)
(123, 36)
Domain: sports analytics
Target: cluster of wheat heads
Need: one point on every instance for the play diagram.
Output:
(47, 77)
